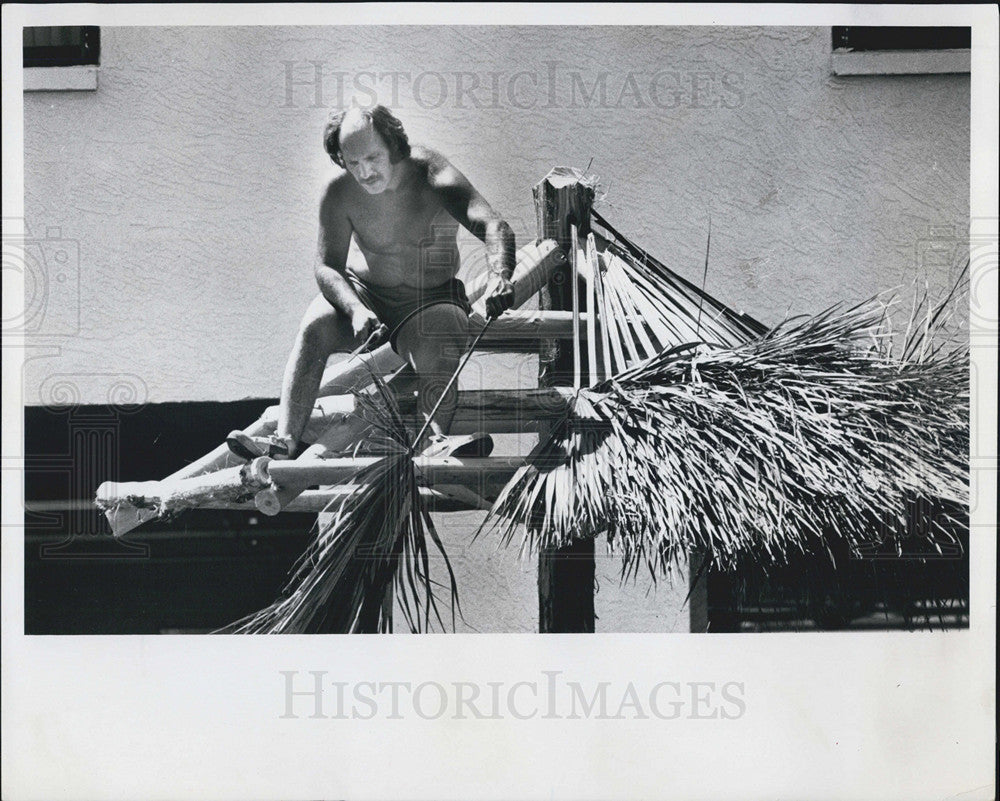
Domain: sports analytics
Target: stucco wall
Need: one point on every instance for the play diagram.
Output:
(190, 178)
(498, 588)
(188, 185)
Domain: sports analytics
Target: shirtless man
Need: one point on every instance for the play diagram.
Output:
(403, 206)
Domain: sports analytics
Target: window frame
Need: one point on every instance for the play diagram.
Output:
(70, 67)
(895, 59)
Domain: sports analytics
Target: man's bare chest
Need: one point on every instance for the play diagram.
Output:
(402, 221)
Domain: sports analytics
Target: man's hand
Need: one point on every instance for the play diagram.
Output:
(501, 299)
(364, 323)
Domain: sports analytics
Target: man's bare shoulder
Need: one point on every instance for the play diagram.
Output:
(432, 166)
(338, 188)
(335, 197)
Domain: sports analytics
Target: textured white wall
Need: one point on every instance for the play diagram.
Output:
(190, 178)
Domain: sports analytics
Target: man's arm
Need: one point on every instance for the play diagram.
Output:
(331, 254)
(335, 232)
(470, 208)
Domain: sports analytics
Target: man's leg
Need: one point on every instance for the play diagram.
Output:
(322, 332)
(433, 342)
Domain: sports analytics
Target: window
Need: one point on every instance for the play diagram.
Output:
(61, 58)
(894, 50)
(61, 46)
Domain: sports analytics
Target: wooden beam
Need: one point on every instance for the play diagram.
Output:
(565, 575)
(528, 325)
(437, 499)
(442, 470)
(494, 411)
(501, 411)
(308, 501)
(489, 411)
(125, 516)
(176, 494)
(590, 265)
(483, 477)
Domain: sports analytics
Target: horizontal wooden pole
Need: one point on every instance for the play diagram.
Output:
(172, 494)
(535, 263)
(442, 499)
(237, 486)
(491, 411)
(496, 411)
(525, 325)
(445, 470)
(482, 411)
(129, 504)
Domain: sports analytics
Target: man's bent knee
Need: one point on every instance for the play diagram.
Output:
(324, 329)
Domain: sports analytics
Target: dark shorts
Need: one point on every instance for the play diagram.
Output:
(395, 305)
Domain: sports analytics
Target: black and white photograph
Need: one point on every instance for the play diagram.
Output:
(669, 330)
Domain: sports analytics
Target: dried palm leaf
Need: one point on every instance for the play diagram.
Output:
(374, 546)
(802, 436)
(671, 310)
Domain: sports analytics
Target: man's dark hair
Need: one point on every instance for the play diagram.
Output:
(384, 123)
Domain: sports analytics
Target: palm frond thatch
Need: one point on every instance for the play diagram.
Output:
(673, 309)
(803, 436)
(375, 546)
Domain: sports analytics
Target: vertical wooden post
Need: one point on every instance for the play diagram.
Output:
(565, 575)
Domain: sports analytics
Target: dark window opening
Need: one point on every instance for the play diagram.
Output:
(887, 37)
(62, 46)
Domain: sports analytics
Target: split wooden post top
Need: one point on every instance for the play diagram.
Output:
(563, 199)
